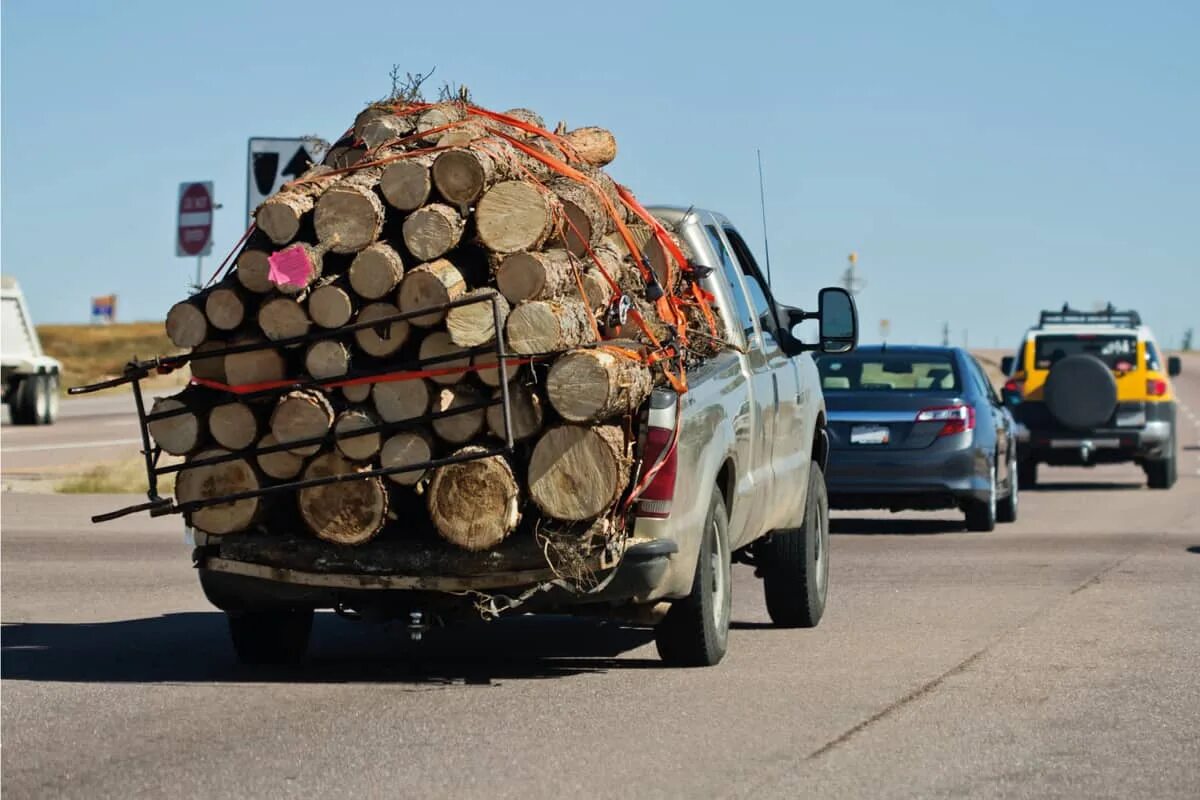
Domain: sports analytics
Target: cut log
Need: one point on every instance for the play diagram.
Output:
(362, 447)
(301, 265)
(224, 306)
(280, 215)
(357, 392)
(462, 426)
(439, 344)
(474, 324)
(282, 465)
(326, 359)
(462, 175)
(473, 504)
(179, 434)
(186, 324)
(514, 216)
(526, 413)
(330, 305)
(430, 284)
(349, 214)
(406, 184)
(210, 368)
(299, 415)
(597, 290)
(527, 116)
(234, 426)
(594, 146)
(253, 269)
(396, 401)
(609, 187)
(254, 366)
(586, 218)
(402, 449)
(594, 385)
(385, 338)
(362, 119)
(467, 132)
(347, 512)
(536, 276)
(376, 272)
(219, 480)
(548, 326)
(341, 156)
(282, 317)
(491, 375)
(576, 473)
(385, 128)
(438, 116)
(432, 231)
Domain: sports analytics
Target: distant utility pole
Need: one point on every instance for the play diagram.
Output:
(945, 334)
(1187, 340)
(964, 338)
(850, 280)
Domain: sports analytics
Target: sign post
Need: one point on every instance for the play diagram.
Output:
(193, 234)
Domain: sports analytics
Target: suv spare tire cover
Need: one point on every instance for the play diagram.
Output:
(1081, 392)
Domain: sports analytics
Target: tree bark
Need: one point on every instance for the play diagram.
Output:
(254, 366)
(430, 284)
(513, 216)
(475, 323)
(537, 276)
(234, 426)
(385, 128)
(186, 324)
(282, 465)
(224, 306)
(349, 214)
(376, 271)
(474, 504)
(280, 215)
(362, 447)
(218, 480)
(586, 218)
(467, 132)
(406, 184)
(436, 117)
(594, 385)
(384, 339)
(548, 326)
(180, 434)
(461, 427)
(348, 512)
(396, 401)
(210, 368)
(527, 116)
(432, 231)
(402, 449)
(596, 147)
(437, 344)
(326, 359)
(282, 317)
(576, 473)
(330, 305)
(301, 414)
(526, 415)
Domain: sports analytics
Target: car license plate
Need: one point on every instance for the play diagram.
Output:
(870, 434)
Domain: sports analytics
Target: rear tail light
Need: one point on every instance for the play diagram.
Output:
(1014, 386)
(1156, 387)
(655, 501)
(956, 419)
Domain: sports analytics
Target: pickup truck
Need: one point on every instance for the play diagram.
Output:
(28, 377)
(743, 483)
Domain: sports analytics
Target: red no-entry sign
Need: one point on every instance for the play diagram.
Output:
(194, 229)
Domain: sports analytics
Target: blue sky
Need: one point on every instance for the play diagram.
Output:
(985, 159)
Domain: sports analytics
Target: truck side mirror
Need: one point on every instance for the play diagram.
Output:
(839, 320)
(1006, 364)
(1174, 366)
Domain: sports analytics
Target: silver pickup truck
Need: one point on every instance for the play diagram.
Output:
(744, 483)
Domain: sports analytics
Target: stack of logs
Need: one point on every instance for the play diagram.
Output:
(413, 210)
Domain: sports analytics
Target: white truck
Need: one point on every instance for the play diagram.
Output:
(29, 377)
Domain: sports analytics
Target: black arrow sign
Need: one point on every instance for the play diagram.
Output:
(296, 167)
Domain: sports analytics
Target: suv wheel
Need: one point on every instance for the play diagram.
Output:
(981, 514)
(270, 637)
(695, 632)
(1161, 474)
(1006, 508)
(795, 563)
(1027, 473)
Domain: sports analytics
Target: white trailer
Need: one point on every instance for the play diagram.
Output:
(28, 377)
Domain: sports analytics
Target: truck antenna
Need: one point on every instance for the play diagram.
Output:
(762, 201)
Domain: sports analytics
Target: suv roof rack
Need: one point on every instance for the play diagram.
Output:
(1106, 316)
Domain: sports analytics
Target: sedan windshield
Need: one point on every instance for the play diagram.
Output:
(865, 372)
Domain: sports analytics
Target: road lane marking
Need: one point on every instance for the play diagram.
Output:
(33, 448)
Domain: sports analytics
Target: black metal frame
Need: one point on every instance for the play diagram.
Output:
(135, 371)
(1107, 316)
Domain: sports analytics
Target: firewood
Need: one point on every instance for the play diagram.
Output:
(467, 132)
(349, 214)
(301, 414)
(385, 128)
(253, 265)
(362, 447)
(224, 306)
(407, 183)
(219, 480)
(179, 434)
(462, 174)
(474, 324)
(385, 338)
(210, 368)
(282, 465)
(234, 426)
(586, 218)
(307, 257)
(537, 275)
(330, 305)
(594, 385)
(402, 449)
(576, 472)
(432, 231)
(282, 317)
(463, 426)
(376, 271)
(430, 284)
(438, 344)
(438, 116)
(357, 392)
(526, 414)
(513, 216)
(347, 512)
(326, 359)
(474, 504)
(595, 146)
(548, 326)
(261, 365)
(280, 215)
(527, 116)
(186, 324)
(396, 401)
(491, 375)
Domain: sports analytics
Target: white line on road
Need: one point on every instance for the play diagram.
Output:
(32, 448)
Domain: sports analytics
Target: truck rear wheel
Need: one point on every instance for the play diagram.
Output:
(795, 563)
(1162, 473)
(1027, 473)
(31, 400)
(695, 632)
(270, 637)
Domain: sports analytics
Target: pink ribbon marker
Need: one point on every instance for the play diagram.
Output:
(290, 267)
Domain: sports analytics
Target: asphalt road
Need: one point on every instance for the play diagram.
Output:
(1056, 657)
(88, 430)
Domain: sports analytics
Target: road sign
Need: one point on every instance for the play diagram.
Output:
(885, 328)
(272, 163)
(104, 309)
(194, 229)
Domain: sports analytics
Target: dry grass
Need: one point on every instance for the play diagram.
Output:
(91, 353)
(117, 477)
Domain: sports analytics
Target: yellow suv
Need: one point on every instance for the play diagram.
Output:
(1089, 387)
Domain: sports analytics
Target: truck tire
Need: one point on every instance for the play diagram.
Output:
(1027, 473)
(50, 411)
(695, 631)
(270, 637)
(1006, 507)
(28, 400)
(795, 563)
(1161, 473)
(981, 514)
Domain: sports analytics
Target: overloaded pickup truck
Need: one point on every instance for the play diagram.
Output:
(733, 472)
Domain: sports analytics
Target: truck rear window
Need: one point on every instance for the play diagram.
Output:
(887, 373)
(1117, 351)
